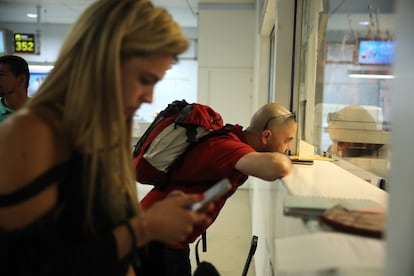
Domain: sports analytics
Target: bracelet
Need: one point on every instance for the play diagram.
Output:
(132, 233)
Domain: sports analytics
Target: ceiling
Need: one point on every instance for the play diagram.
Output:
(186, 11)
(67, 11)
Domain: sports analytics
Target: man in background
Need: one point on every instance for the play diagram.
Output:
(14, 82)
(259, 151)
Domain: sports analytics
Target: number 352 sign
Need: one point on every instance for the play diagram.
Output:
(24, 43)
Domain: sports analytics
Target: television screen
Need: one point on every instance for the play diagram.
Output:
(376, 52)
(38, 74)
(36, 79)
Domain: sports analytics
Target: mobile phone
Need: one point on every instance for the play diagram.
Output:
(301, 161)
(213, 193)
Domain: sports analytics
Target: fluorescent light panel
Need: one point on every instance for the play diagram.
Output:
(40, 68)
(370, 76)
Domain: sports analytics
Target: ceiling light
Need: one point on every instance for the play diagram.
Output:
(371, 76)
(374, 74)
(31, 15)
(40, 68)
(364, 23)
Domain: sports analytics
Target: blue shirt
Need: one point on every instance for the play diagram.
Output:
(4, 110)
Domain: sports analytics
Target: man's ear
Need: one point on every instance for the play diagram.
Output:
(22, 80)
(266, 136)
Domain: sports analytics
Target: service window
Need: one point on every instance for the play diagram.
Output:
(346, 57)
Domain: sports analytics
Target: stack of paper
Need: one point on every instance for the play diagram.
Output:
(314, 205)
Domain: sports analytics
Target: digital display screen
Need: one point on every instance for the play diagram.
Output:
(376, 52)
(36, 79)
(24, 43)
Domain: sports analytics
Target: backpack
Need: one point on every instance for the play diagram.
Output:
(175, 129)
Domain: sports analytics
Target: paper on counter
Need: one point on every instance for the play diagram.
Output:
(326, 251)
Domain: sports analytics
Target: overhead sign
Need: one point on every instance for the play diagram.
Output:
(24, 43)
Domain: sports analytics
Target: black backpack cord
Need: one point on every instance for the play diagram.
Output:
(204, 243)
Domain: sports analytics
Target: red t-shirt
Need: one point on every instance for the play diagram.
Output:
(205, 164)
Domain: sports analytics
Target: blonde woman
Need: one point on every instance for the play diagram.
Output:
(68, 200)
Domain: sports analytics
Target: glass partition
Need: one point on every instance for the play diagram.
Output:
(345, 71)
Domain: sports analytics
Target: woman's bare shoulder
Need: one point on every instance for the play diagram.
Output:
(24, 127)
(29, 146)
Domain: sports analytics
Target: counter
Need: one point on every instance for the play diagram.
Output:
(293, 246)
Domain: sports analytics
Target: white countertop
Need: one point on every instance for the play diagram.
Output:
(306, 248)
(324, 178)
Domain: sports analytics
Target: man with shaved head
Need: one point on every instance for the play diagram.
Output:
(272, 129)
(259, 150)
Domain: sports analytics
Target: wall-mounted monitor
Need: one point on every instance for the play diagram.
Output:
(36, 79)
(38, 74)
(6, 42)
(376, 52)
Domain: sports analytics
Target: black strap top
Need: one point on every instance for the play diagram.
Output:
(38, 185)
(56, 243)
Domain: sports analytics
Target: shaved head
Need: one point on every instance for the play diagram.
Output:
(262, 116)
(272, 129)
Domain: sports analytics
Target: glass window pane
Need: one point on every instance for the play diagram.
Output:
(347, 51)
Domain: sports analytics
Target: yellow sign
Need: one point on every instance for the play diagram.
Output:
(24, 43)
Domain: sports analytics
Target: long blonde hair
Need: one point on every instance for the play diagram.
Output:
(86, 83)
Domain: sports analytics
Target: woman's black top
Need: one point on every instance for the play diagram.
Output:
(56, 244)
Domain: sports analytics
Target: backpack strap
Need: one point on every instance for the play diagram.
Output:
(36, 186)
(225, 130)
(203, 240)
(214, 133)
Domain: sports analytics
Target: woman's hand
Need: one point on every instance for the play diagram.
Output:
(170, 220)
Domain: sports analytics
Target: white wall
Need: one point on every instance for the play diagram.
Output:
(400, 225)
(225, 59)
